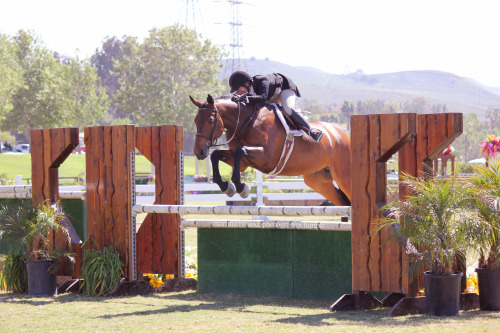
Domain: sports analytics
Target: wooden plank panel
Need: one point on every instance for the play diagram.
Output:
(179, 143)
(391, 128)
(163, 145)
(119, 174)
(173, 196)
(37, 167)
(360, 200)
(108, 187)
(90, 183)
(145, 233)
(374, 243)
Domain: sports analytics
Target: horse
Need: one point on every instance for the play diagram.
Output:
(256, 137)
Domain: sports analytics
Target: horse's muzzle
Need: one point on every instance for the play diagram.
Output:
(201, 152)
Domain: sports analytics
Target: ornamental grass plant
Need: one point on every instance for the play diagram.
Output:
(101, 271)
(13, 276)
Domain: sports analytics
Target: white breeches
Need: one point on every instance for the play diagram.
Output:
(287, 97)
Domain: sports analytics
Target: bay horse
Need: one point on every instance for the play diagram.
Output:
(255, 137)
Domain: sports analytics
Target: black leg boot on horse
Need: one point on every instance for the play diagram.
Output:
(300, 121)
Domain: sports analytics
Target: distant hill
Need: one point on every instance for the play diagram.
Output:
(458, 93)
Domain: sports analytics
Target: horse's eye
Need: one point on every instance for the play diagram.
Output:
(210, 121)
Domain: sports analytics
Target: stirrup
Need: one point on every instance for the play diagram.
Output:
(316, 134)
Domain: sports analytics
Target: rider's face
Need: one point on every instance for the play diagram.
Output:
(244, 89)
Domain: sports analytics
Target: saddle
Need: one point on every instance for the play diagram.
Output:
(291, 131)
(288, 124)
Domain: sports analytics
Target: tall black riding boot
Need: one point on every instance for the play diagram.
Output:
(300, 121)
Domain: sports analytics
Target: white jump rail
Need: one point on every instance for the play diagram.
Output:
(267, 224)
(245, 210)
(24, 192)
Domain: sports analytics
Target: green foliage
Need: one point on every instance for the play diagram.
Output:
(101, 271)
(467, 144)
(45, 90)
(28, 227)
(157, 76)
(85, 101)
(486, 183)
(436, 219)
(10, 78)
(465, 168)
(13, 276)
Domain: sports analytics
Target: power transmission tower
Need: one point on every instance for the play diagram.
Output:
(236, 43)
(188, 13)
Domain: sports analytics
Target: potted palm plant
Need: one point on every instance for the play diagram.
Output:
(433, 220)
(28, 227)
(486, 182)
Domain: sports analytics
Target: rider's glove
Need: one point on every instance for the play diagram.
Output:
(239, 98)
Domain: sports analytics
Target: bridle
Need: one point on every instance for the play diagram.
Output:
(218, 119)
(216, 122)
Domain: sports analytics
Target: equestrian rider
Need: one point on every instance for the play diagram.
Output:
(270, 88)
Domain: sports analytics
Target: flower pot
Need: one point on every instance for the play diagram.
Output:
(488, 281)
(442, 294)
(41, 282)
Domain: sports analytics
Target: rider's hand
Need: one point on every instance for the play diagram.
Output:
(239, 98)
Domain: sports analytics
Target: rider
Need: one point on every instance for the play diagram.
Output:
(270, 88)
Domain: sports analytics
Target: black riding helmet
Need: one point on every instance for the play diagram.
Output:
(237, 79)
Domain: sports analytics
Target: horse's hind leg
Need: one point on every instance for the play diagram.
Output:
(215, 157)
(322, 183)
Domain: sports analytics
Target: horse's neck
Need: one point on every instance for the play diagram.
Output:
(233, 117)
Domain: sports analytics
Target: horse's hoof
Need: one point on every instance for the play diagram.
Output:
(245, 191)
(230, 190)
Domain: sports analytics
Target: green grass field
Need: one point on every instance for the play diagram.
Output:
(12, 165)
(192, 311)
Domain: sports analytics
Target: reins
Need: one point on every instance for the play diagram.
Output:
(219, 118)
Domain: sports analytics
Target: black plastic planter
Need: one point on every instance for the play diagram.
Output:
(488, 281)
(442, 294)
(40, 281)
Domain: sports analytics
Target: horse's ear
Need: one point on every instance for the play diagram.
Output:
(210, 99)
(195, 101)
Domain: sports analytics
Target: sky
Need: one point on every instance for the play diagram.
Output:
(335, 36)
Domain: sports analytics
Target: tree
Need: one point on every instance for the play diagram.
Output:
(85, 101)
(157, 77)
(467, 144)
(346, 111)
(37, 103)
(439, 108)
(392, 107)
(10, 78)
(55, 91)
(416, 105)
(103, 60)
(493, 116)
(370, 106)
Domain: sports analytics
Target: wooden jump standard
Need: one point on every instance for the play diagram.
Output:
(379, 266)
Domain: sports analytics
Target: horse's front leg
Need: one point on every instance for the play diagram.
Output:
(238, 155)
(227, 157)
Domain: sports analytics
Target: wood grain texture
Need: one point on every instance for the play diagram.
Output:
(108, 188)
(158, 237)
